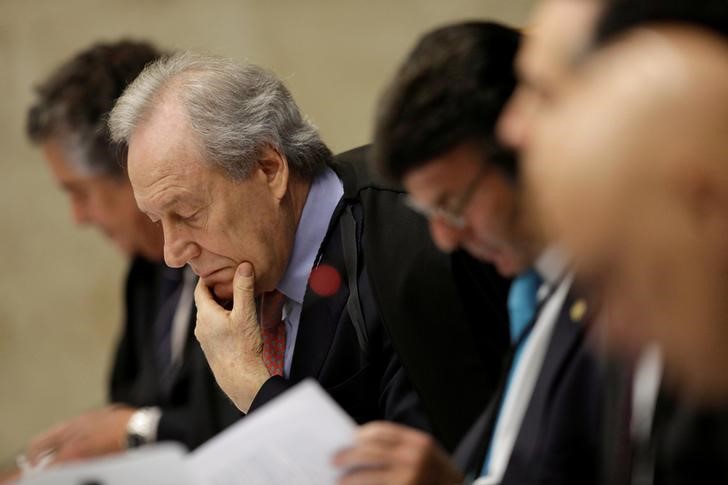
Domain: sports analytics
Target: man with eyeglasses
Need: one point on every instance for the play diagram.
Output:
(435, 133)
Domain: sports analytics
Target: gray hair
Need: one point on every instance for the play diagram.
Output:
(234, 110)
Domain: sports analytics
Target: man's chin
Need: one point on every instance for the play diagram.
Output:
(484, 254)
(507, 267)
(507, 264)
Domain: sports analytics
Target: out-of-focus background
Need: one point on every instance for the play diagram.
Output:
(61, 287)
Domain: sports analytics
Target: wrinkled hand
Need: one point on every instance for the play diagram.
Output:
(388, 453)
(99, 432)
(231, 340)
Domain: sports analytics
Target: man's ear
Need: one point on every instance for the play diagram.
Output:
(274, 167)
(707, 198)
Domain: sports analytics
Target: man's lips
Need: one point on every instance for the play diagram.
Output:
(208, 274)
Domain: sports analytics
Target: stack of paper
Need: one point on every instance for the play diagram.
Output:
(290, 440)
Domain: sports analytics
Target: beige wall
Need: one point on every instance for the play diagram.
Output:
(60, 287)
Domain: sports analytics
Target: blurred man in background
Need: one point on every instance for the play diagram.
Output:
(630, 172)
(160, 387)
(436, 131)
(634, 192)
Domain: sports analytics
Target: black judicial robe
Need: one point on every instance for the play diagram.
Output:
(404, 347)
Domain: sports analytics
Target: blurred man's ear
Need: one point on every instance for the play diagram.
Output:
(706, 195)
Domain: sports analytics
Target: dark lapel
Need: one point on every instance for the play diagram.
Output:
(184, 366)
(470, 453)
(566, 338)
(146, 289)
(320, 315)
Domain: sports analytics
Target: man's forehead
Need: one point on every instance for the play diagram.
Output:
(621, 134)
(428, 182)
(560, 31)
(642, 89)
(444, 174)
(185, 176)
(164, 146)
(171, 192)
(686, 107)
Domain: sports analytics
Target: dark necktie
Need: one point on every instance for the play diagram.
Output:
(273, 331)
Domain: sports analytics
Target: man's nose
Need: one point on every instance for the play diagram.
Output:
(178, 250)
(514, 124)
(446, 237)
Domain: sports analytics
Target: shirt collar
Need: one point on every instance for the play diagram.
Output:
(552, 264)
(323, 197)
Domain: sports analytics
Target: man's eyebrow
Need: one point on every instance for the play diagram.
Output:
(153, 214)
(149, 216)
(165, 199)
(519, 67)
(172, 201)
(177, 201)
(535, 86)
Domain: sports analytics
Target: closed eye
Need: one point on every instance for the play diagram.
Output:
(190, 219)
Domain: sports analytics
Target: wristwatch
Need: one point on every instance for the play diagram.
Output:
(141, 428)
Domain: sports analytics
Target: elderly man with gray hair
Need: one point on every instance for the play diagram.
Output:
(160, 387)
(307, 267)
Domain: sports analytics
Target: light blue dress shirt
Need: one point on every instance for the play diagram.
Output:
(323, 197)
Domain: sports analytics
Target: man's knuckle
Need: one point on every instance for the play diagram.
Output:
(378, 427)
(422, 441)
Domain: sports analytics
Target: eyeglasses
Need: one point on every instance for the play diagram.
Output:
(450, 212)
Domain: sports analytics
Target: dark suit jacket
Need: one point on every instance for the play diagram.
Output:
(193, 407)
(417, 333)
(559, 440)
(688, 445)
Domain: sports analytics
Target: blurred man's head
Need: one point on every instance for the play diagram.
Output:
(638, 191)
(559, 32)
(435, 133)
(621, 16)
(222, 158)
(68, 120)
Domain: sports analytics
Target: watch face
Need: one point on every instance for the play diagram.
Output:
(134, 440)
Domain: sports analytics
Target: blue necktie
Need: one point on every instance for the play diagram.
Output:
(522, 304)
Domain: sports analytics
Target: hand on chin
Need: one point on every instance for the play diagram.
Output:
(220, 284)
(223, 293)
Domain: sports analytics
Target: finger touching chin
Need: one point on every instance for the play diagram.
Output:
(223, 291)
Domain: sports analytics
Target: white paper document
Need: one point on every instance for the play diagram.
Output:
(290, 440)
(159, 465)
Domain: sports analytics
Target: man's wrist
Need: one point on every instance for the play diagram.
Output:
(141, 429)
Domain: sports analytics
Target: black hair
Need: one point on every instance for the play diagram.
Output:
(450, 90)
